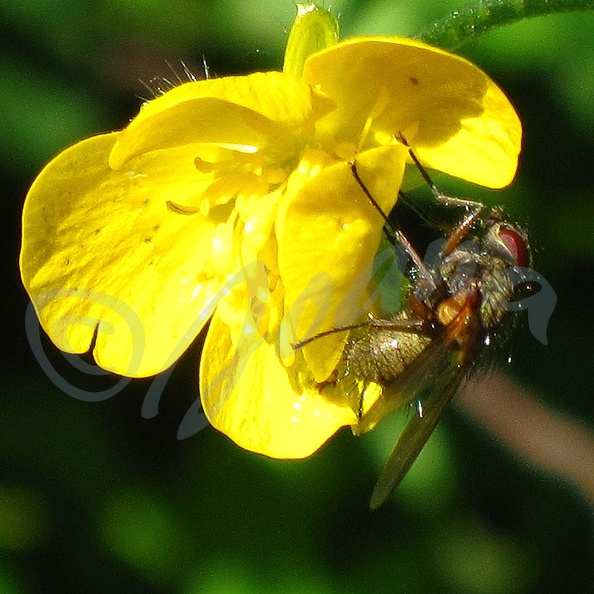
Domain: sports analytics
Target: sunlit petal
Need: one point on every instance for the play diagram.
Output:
(240, 111)
(457, 120)
(109, 265)
(252, 398)
(328, 234)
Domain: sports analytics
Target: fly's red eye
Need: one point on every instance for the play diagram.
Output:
(516, 243)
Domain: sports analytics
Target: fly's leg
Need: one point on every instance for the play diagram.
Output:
(395, 235)
(472, 207)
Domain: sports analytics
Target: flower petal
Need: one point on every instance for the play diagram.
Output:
(249, 395)
(328, 234)
(110, 267)
(240, 111)
(456, 119)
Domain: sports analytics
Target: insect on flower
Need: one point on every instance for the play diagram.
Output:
(455, 310)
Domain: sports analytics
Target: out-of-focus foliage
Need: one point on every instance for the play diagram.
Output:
(95, 498)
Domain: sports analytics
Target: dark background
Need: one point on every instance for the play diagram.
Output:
(96, 498)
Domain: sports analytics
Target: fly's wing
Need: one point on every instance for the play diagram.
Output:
(413, 438)
(432, 378)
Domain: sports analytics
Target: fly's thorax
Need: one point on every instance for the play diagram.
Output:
(505, 252)
(483, 272)
(496, 292)
(480, 279)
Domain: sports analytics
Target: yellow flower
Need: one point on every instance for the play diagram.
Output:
(233, 199)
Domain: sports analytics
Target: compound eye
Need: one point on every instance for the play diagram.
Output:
(516, 243)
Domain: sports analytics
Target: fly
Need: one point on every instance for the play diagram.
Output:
(454, 311)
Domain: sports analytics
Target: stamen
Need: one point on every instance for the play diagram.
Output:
(179, 209)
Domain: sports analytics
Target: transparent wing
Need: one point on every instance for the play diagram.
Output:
(433, 379)
(413, 438)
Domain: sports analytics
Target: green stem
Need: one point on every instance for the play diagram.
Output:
(482, 16)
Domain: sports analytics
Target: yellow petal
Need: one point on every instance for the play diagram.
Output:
(246, 112)
(248, 395)
(455, 117)
(328, 234)
(108, 265)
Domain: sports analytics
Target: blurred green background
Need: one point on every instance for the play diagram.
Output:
(96, 498)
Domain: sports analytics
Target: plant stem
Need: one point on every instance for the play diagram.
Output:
(472, 20)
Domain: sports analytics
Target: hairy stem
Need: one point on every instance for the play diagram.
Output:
(477, 18)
